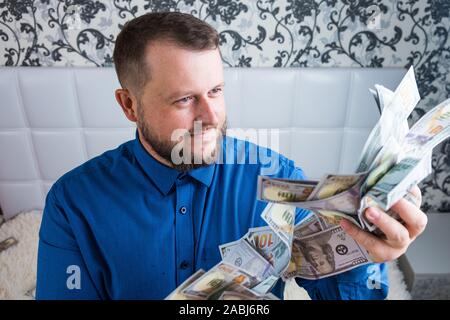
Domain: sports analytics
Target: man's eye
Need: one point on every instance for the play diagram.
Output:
(216, 90)
(184, 100)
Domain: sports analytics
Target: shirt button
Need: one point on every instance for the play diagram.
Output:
(183, 210)
(184, 265)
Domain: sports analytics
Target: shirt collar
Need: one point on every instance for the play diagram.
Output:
(163, 176)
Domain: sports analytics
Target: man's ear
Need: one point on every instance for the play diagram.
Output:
(128, 102)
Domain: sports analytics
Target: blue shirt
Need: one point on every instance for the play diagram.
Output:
(125, 226)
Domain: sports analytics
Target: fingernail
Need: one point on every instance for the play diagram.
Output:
(373, 213)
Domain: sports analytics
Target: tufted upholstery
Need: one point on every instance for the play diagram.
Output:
(53, 119)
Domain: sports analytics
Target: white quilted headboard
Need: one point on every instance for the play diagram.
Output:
(53, 119)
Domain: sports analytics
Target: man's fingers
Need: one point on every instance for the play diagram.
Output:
(414, 218)
(395, 232)
(417, 194)
(375, 246)
(398, 236)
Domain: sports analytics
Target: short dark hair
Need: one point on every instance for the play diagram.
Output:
(182, 29)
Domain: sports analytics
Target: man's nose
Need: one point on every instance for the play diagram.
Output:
(206, 112)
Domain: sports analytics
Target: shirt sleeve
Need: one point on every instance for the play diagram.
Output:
(367, 282)
(61, 271)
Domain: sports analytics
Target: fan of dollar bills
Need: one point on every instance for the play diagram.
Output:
(394, 159)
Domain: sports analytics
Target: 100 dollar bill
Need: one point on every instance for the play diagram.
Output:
(333, 184)
(399, 106)
(325, 254)
(216, 280)
(246, 258)
(394, 185)
(345, 202)
(429, 131)
(280, 217)
(284, 190)
(274, 250)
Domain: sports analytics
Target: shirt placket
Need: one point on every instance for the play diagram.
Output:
(184, 230)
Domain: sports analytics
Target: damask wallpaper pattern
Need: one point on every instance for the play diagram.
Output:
(259, 33)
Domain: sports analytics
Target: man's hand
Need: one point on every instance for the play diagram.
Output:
(398, 236)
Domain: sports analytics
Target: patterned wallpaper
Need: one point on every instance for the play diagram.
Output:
(259, 33)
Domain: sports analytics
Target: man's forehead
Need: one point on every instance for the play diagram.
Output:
(172, 66)
(168, 52)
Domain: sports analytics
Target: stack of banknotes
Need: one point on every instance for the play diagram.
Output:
(394, 159)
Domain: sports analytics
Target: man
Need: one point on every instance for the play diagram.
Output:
(135, 222)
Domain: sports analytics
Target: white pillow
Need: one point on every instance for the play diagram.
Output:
(18, 262)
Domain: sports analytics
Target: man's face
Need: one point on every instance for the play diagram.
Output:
(184, 92)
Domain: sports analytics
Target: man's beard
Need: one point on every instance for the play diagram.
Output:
(164, 148)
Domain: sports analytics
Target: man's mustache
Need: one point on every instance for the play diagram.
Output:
(193, 132)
